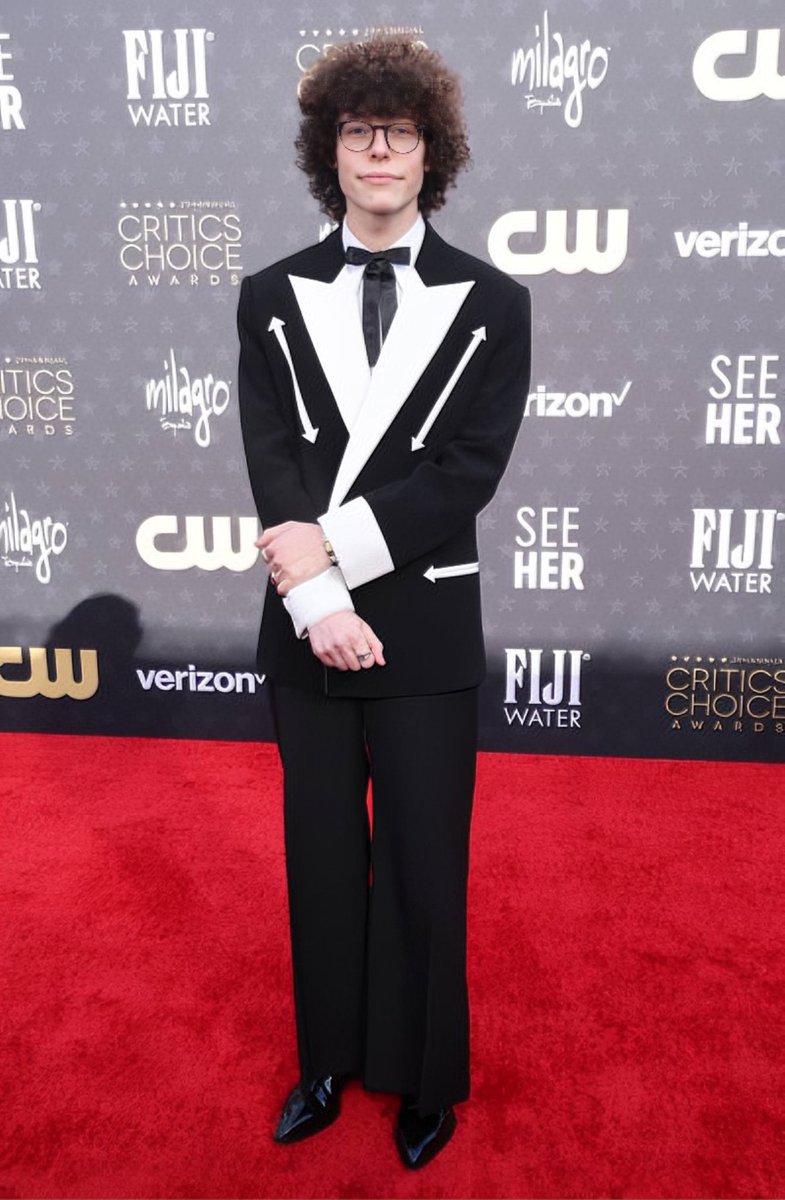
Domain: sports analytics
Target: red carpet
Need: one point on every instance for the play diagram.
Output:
(626, 974)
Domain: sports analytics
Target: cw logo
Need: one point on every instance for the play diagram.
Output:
(41, 683)
(763, 80)
(555, 254)
(162, 545)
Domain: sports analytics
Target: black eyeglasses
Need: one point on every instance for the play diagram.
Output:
(401, 136)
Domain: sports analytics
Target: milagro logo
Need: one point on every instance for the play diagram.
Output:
(764, 79)
(743, 409)
(543, 688)
(189, 679)
(10, 96)
(718, 694)
(177, 96)
(731, 243)
(171, 543)
(733, 549)
(18, 249)
(36, 396)
(549, 71)
(27, 541)
(42, 680)
(567, 248)
(185, 401)
(545, 403)
(181, 243)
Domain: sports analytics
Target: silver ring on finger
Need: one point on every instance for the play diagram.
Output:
(362, 657)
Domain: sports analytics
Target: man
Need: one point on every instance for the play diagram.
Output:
(382, 380)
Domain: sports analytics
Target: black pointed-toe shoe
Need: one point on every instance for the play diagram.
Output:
(419, 1139)
(310, 1109)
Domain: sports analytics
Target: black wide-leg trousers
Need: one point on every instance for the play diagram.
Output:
(378, 923)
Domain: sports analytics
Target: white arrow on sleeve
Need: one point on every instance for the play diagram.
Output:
(309, 431)
(478, 335)
(434, 573)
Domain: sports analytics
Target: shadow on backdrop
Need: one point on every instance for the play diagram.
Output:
(132, 696)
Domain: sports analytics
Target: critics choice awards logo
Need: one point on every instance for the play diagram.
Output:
(314, 43)
(175, 244)
(567, 245)
(18, 249)
(728, 694)
(183, 401)
(555, 74)
(171, 543)
(733, 550)
(743, 410)
(543, 688)
(36, 396)
(55, 674)
(548, 558)
(167, 76)
(10, 96)
(29, 542)
(756, 74)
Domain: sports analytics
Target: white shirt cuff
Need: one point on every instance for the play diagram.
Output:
(358, 542)
(319, 597)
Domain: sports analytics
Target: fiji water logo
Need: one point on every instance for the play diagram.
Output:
(542, 688)
(161, 96)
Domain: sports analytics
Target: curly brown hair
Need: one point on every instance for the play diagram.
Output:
(387, 76)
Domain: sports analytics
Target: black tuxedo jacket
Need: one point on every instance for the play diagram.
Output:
(396, 463)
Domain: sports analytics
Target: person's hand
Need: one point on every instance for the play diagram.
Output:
(345, 641)
(293, 552)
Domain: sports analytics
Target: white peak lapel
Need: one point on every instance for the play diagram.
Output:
(331, 315)
(419, 327)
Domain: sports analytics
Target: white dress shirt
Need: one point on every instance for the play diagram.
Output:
(413, 238)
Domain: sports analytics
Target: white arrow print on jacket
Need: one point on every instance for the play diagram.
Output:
(434, 573)
(478, 335)
(309, 431)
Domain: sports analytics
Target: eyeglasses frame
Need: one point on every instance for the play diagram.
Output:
(386, 128)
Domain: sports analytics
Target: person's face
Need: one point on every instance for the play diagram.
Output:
(378, 181)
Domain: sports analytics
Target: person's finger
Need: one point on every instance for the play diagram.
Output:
(330, 655)
(361, 651)
(345, 654)
(374, 645)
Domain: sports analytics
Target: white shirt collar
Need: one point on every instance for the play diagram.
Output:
(412, 238)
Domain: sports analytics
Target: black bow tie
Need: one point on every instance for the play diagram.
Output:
(358, 257)
(380, 299)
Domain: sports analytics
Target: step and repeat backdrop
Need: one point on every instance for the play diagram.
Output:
(628, 166)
